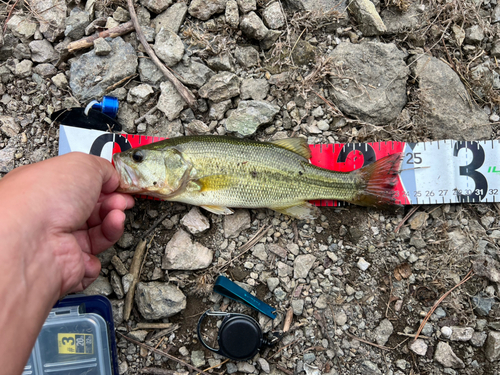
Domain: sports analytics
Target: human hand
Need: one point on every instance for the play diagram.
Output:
(66, 211)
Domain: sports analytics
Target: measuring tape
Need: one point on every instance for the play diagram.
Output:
(436, 172)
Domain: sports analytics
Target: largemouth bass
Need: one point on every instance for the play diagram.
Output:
(217, 172)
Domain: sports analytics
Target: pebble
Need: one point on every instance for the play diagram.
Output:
(298, 306)
(461, 333)
(383, 332)
(234, 224)
(198, 358)
(195, 222)
(492, 349)
(494, 118)
(482, 304)
(264, 365)
(478, 339)
(446, 332)
(302, 265)
(246, 367)
(181, 253)
(418, 347)
(363, 264)
(445, 355)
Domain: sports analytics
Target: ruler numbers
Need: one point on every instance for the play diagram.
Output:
(451, 172)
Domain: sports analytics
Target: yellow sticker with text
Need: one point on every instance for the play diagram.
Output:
(75, 343)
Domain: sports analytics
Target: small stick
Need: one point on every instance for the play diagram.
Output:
(165, 332)
(288, 320)
(412, 211)
(115, 85)
(286, 371)
(284, 347)
(86, 42)
(431, 311)
(150, 112)
(260, 233)
(152, 326)
(215, 366)
(9, 15)
(135, 268)
(161, 352)
(155, 224)
(413, 335)
(368, 342)
(183, 91)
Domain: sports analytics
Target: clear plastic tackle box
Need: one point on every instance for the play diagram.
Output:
(76, 339)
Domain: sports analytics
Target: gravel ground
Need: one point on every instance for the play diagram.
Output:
(356, 283)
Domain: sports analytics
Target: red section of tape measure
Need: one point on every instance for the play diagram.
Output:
(337, 157)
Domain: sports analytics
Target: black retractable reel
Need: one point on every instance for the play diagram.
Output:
(239, 337)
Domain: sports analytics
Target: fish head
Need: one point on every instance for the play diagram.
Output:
(158, 173)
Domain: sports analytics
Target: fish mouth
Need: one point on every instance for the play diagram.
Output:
(128, 176)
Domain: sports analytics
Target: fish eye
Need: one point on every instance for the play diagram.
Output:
(138, 156)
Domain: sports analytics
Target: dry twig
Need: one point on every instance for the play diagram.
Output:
(183, 91)
(135, 270)
(157, 371)
(438, 302)
(88, 41)
(408, 215)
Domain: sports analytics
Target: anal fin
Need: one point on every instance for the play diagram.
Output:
(301, 211)
(219, 210)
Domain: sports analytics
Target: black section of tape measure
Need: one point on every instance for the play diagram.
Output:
(95, 120)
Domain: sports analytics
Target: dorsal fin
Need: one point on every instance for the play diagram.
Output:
(297, 145)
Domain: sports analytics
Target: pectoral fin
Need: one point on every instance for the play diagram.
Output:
(301, 211)
(219, 210)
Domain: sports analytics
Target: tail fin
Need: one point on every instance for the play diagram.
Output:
(378, 181)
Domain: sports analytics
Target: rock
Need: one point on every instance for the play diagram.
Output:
(60, 81)
(474, 34)
(170, 101)
(302, 265)
(117, 307)
(322, 302)
(126, 240)
(121, 15)
(383, 332)
(182, 254)
(100, 286)
(397, 21)
(482, 304)
(273, 16)
(42, 51)
(21, 27)
(116, 284)
(445, 356)
(376, 89)
(363, 264)
(496, 14)
(198, 358)
(217, 110)
(249, 115)
(418, 347)
(232, 15)
(247, 5)
(172, 18)
(157, 300)
(418, 220)
(369, 368)
(106, 256)
(76, 23)
(8, 126)
(126, 116)
(255, 89)
(119, 266)
(127, 282)
(264, 365)
(195, 222)
(234, 224)
(156, 6)
(194, 73)
(45, 70)
(478, 339)
(53, 22)
(23, 69)
(443, 95)
(446, 332)
(272, 283)
(247, 57)
(259, 251)
(196, 127)
(253, 27)
(322, 6)
(461, 333)
(486, 266)
(245, 367)
(492, 349)
(221, 86)
(204, 9)
(369, 21)
(140, 94)
(149, 73)
(21, 52)
(101, 47)
(111, 23)
(7, 155)
(221, 62)
(169, 47)
(92, 74)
